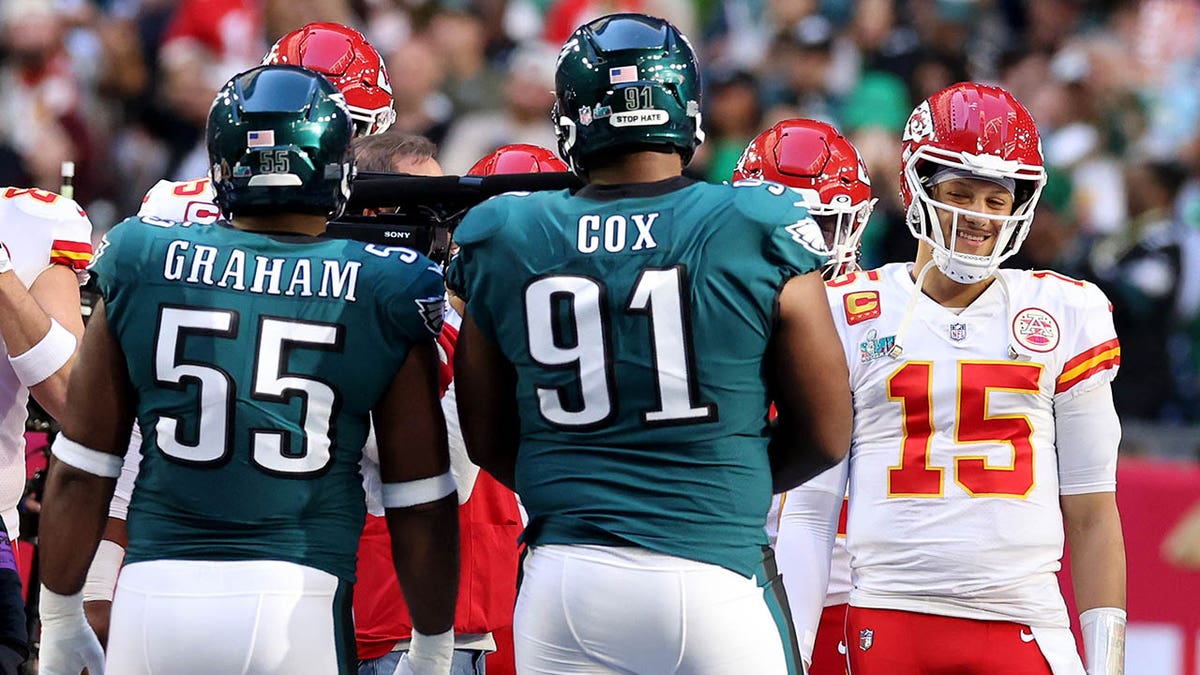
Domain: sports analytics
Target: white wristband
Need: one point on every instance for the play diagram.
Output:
(36, 364)
(1104, 640)
(86, 459)
(431, 653)
(55, 607)
(101, 579)
(420, 491)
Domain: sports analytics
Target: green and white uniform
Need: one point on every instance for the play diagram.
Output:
(637, 320)
(256, 361)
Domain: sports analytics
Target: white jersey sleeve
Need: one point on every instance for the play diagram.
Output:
(41, 229)
(1090, 341)
(191, 201)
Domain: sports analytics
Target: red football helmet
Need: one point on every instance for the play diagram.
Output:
(518, 158)
(350, 62)
(818, 162)
(978, 131)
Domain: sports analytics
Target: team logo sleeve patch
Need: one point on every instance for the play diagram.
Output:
(1035, 330)
(861, 306)
(1104, 356)
(432, 310)
(73, 254)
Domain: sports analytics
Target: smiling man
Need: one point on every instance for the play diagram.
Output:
(983, 423)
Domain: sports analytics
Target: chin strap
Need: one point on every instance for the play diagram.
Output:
(1008, 317)
(909, 309)
(1104, 640)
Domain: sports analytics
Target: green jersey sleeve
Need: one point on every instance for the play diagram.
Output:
(119, 256)
(792, 239)
(475, 236)
(414, 309)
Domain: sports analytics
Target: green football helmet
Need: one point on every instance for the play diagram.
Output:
(623, 81)
(279, 142)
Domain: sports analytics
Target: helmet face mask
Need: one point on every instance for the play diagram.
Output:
(826, 170)
(278, 141)
(978, 131)
(350, 62)
(626, 81)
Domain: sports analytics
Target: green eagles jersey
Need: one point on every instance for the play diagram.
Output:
(637, 318)
(256, 361)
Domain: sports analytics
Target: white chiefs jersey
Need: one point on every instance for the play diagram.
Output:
(954, 472)
(191, 201)
(40, 229)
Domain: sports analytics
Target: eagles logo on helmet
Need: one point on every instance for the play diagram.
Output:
(350, 62)
(825, 168)
(642, 70)
(979, 131)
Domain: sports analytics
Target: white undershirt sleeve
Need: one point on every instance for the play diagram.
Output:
(807, 529)
(1087, 433)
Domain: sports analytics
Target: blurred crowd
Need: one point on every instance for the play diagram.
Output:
(122, 87)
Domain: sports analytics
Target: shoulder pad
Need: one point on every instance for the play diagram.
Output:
(43, 204)
(487, 218)
(768, 202)
(856, 278)
(1074, 292)
(192, 201)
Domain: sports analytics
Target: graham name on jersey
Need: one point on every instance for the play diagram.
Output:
(197, 264)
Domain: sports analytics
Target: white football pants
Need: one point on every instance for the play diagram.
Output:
(629, 610)
(185, 617)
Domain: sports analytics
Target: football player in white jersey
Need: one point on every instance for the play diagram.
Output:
(820, 163)
(45, 246)
(352, 64)
(984, 424)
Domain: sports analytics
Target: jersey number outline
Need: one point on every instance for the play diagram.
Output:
(912, 386)
(211, 440)
(583, 344)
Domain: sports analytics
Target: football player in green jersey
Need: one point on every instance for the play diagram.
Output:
(253, 354)
(617, 356)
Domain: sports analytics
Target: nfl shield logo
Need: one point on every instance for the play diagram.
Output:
(866, 638)
(958, 332)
